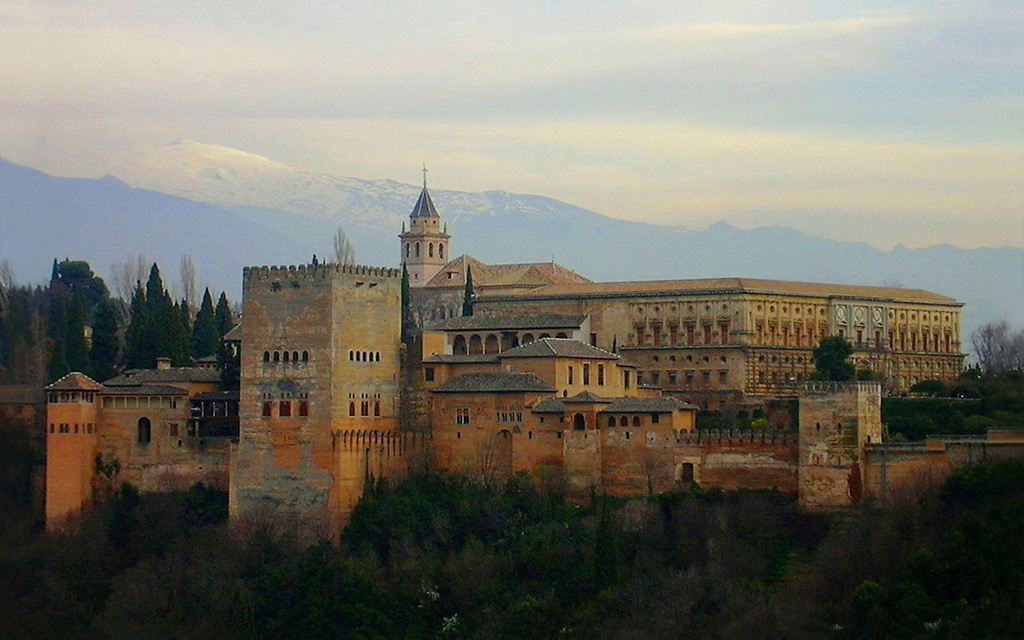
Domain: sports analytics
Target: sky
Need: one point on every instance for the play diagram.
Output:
(883, 122)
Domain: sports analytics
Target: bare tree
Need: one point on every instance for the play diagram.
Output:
(187, 272)
(6, 281)
(998, 349)
(125, 275)
(343, 251)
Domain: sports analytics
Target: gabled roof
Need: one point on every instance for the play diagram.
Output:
(737, 285)
(510, 321)
(75, 381)
(549, 405)
(558, 348)
(424, 206)
(495, 383)
(585, 397)
(529, 275)
(646, 405)
(164, 376)
(234, 334)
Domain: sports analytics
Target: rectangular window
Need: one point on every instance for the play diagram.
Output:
(689, 378)
(462, 415)
(570, 375)
(303, 409)
(364, 408)
(285, 409)
(723, 377)
(655, 418)
(586, 374)
(600, 374)
(672, 378)
(267, 409)
(705, 377)
(593, 339)
(625, 379)
(428, 374)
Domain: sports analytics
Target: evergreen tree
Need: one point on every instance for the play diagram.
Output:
(181, 350)
(56, 330)
(831, 359)
(468, 295)
(105, 344)
(139, 352)
(225, 319)
(54, 272)
(76, 348)
(204, 341)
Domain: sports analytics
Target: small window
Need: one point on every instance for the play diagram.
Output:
(586, 374)
(570, 375)
(462, 415)
(364, 408)
(267, 409)
(144, 431)
(655, 418)
(277, 356)
(636, 422)
(376, 409)
(428, 374)
(266, 356)
(351, 409)
(285, 408)
(286, 356)
(305, 356)
(611, 421)
(295, 356)
(600, 374)
(303, 409)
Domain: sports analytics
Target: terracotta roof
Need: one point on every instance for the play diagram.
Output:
(522, 274)
(424, 206)
(144, 390)
(495, 383)
(549, 405)
(746, 285)
(558, 348)
(585, 397)
(448, 358)
(646, 405)
(75, 381)
(503, 321)
(164, 376)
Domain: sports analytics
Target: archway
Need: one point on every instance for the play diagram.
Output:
(491, 345)
(579, 422)
(459, 346)
(476, 345)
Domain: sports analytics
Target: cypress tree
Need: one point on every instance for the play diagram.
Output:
(139, 351)
(204, 341)
(105, 344)
(181, 352)
(225, 319)
(76, 348)
(467, 296)
(57, 330)
(406, 310)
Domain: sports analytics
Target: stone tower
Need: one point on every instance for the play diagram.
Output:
(837, 420)
(320, 359)
(72, 419)
(425, 245)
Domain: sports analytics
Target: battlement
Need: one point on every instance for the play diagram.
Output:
(829, 387)
(729, 437)
(316, 272)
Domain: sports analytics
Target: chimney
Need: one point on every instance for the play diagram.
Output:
(162, 364)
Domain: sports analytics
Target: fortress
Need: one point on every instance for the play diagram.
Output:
(350, 373)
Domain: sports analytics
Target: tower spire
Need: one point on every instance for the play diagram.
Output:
(424, 175)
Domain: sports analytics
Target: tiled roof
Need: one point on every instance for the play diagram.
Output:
(75, 381)
(747, 285)
(144, 390)
(558, 347)
(646, 405)
(448, 358)
(424, 206)
(523, 274)
(585, 397)
(495, 383)
(549, 405)
(536, 321)
(234, 334)
(164, 376)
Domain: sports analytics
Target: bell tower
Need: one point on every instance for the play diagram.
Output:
(425, 245)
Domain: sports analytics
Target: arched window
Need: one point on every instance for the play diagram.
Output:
(407, 248)
(286, 356)
(266, 356)
(277, 356)
(378, 356)
(623, 421)
(430, 249)
(376, 409)
(579, 422)
(476, 345)
(352, 409)
(491, 344)
(144, 431)
(459, 345)
(305, 356)
(527, 338)
(611, 421)
(636, 421)
(440, 251)
(417, 249)
(295, 356)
